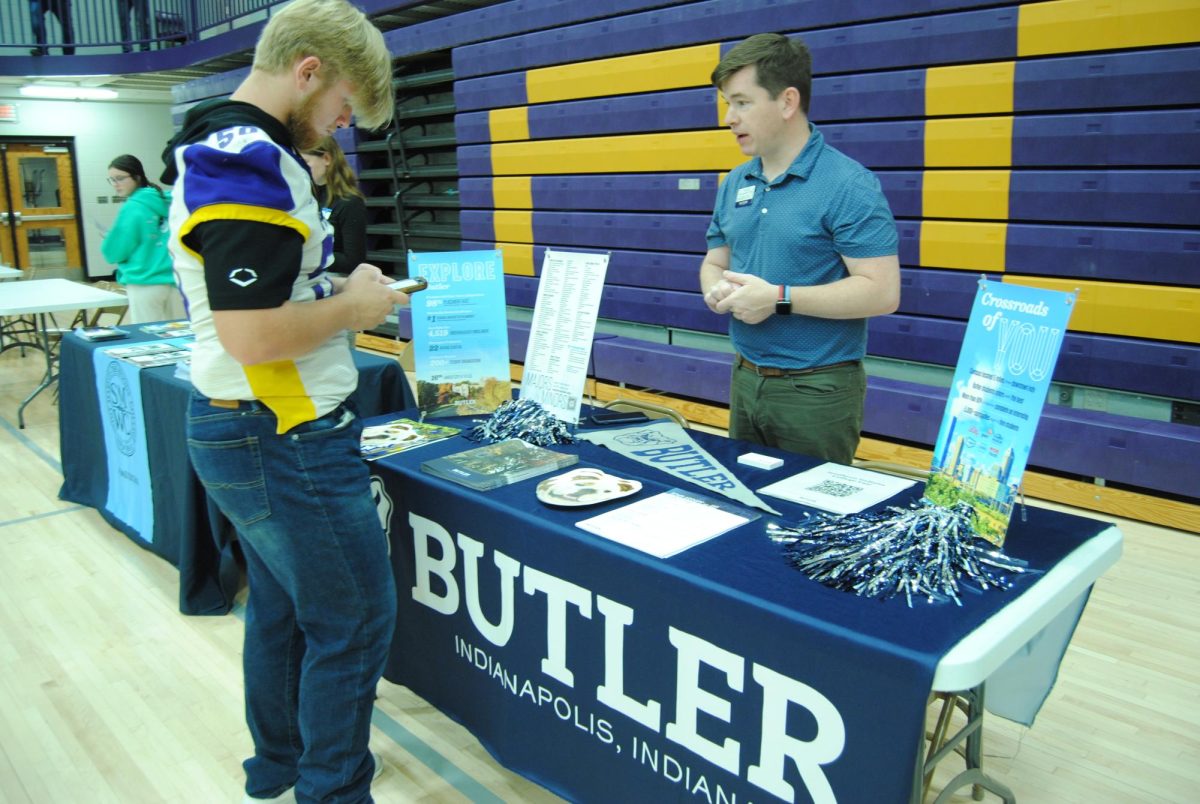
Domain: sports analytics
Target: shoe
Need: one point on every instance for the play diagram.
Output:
(286, 797)
(289, 796)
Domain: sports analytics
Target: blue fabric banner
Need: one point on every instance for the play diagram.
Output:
(119, 389)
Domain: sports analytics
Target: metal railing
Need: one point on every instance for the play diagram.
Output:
(107, 26)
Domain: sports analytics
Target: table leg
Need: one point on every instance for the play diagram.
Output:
(47, 379)
(13, 330)
(970, 737)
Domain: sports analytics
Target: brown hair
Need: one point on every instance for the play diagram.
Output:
(133, 166)
(780, 63)
(340, 181)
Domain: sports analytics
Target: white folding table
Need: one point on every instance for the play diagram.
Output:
(40, 298)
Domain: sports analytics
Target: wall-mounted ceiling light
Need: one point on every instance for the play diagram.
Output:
(67, 93)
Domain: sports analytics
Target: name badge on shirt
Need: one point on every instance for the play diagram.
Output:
(744, 196)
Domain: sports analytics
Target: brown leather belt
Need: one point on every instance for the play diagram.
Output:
(231, 404)
(770, 371)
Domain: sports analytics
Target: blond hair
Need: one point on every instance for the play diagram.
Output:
(347, 44)
(340, 181)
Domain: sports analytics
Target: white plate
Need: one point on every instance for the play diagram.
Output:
(581, 487)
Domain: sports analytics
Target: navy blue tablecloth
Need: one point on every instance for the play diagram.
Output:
(188, 531)
(721, 673)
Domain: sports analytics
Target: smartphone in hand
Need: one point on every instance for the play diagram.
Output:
(409, 285)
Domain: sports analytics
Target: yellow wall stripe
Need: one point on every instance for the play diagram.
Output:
(277, 385)
(633, 153)
(515, 192)
(1121, 308)
(970, 89)
(963, 246)
(975, 142)
(970, 194)
(509, 124)
(1071, 26)
(518, 258)
(513, 225)
(623, 75)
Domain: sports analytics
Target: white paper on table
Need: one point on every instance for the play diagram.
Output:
(560, 335)
(667, 523)
(838, 489)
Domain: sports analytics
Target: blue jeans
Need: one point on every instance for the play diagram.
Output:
(61, 9)
(322, 604)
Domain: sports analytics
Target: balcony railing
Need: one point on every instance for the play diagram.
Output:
(111, 26)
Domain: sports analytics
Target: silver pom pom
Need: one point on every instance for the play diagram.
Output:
(924, 550)
(523, 419)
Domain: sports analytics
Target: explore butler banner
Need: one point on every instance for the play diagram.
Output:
(460, 333)
(1003, 376)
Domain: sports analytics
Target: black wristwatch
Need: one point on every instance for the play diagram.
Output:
(783, 305)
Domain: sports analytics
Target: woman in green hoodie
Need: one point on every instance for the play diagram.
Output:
(137, 243)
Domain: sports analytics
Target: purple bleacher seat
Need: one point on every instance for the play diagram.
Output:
(1108, 80)
(627, 192)
(845, 97)
(472, 127)
(489, 92)
(966, 37)
(474, 160)
(1106, 196)
(677, 370)
(1152, 455)
(1100, 139)
(945, 294)
(668, 308)
(1157, 256)
(903, 189)
(630, 114)
(661, 232)
(880, 145)
(922, 340)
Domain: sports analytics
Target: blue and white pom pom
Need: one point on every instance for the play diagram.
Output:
(925, 550)
(523, 419)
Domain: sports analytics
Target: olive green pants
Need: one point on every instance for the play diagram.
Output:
(819, 414)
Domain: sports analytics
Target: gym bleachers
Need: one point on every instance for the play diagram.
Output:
(1052, 143)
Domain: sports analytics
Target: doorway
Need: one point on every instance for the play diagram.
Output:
(39, 210)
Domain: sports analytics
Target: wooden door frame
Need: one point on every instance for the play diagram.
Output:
(58, 142)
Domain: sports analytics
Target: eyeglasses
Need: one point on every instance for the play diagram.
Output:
(115, 180)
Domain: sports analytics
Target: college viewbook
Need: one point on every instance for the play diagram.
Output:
(495, 465)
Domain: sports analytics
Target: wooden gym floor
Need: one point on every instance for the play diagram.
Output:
(109, 694)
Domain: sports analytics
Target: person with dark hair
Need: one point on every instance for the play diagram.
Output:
(61, 9)
(802, 249)
(271, 431)
(342, 204)
(141, 13)
(137, 244)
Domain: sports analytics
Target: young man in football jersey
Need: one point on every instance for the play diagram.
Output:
(270, 433)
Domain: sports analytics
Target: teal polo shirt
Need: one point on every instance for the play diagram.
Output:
(794, 231)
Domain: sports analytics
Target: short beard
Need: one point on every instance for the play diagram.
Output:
(299, 123)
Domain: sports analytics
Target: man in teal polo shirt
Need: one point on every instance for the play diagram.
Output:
(802, 249)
